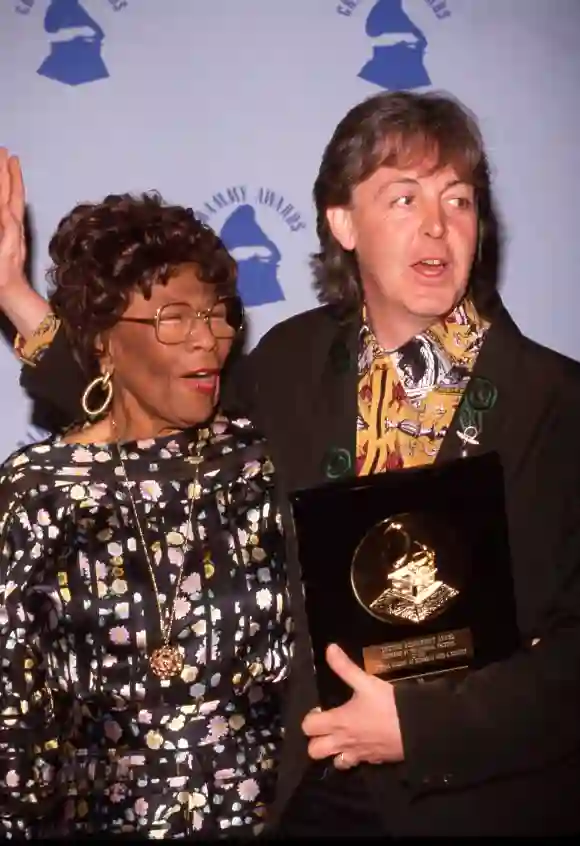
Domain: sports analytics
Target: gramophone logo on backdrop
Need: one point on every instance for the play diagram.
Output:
(75, 40)
(397, 44)
(256, 225)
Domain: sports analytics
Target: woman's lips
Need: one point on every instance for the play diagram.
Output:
(204, 381)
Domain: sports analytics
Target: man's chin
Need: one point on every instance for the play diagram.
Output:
(435, 307)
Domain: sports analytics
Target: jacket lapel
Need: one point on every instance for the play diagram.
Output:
(333, 437)
(498, 400)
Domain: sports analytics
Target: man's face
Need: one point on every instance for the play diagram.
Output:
(414, 232)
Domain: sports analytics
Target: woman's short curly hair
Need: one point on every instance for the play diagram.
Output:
(104, 252)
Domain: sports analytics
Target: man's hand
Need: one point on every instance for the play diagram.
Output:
(365, 729)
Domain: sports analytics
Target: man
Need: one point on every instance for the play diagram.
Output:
(412, 359)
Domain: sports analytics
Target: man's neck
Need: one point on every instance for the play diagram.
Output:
(393, 328)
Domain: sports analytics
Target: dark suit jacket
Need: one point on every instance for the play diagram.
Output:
(500, 752)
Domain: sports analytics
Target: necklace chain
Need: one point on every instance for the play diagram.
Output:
(165, 661)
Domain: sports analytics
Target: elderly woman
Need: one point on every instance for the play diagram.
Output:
(145, 629)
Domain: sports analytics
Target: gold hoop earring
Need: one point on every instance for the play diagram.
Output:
(104, 384)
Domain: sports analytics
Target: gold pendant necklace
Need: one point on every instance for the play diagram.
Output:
(166, 661)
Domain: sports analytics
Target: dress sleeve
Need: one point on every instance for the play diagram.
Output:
(28, 739)
(274, 642)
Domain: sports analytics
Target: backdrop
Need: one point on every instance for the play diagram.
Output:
(226, 106)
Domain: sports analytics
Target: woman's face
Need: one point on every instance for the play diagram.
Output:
(160, 387)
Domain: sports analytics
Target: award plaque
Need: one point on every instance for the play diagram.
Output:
(409, 571)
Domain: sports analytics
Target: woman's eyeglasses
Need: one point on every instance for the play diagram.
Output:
(174, 323)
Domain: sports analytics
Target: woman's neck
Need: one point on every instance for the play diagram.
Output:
(112, 429)
(132, 427)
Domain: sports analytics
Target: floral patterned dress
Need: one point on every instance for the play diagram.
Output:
(91, 741)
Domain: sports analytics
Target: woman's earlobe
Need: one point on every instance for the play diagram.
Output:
(104, 354)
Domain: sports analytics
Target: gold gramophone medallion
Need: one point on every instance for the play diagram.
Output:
(394, 573)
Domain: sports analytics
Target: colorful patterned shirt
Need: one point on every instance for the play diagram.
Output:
(407, 398)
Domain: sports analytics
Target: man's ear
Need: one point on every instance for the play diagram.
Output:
(339, 219)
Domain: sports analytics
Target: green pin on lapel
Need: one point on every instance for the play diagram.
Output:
(480, 396)
(337, 462)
